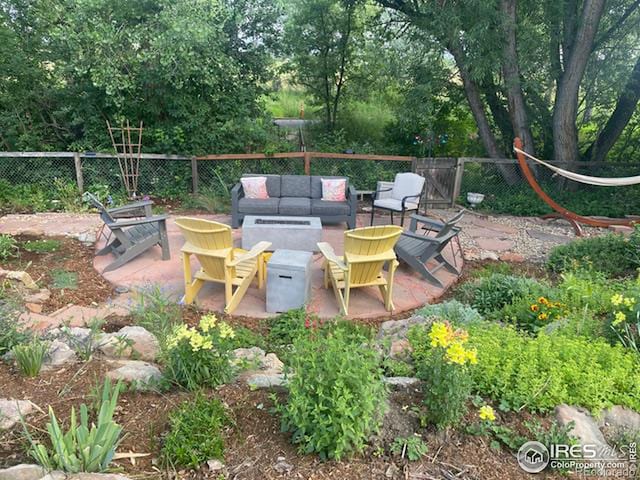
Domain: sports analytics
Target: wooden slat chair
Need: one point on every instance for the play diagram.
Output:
(418, 250)
(432, 226)
(366, 251)
(212, 244)
(132, 236)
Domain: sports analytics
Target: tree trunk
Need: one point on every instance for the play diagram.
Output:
(472, 92)
(565, 133)
(511, 73)
(621, 115)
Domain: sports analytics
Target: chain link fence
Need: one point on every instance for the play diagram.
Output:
(40, 181)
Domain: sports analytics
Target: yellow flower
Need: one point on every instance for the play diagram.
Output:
(487, 413)
(619, 317)
(196, 341)
(207, 322)
(543, 301)
(472, 356)
(440, 334)
(534, 307)
(226, 331)
(456, 353)
(617, 299)
(542, 316)
(629, 302)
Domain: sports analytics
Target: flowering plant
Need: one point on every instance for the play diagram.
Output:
(537, 315)
(625, 320)
(199, 356)
(442, 360)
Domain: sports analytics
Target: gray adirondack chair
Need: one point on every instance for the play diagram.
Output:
(418, 250)
(132, 236)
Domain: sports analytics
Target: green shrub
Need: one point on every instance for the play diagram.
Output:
(453, 311)
(199, 357)
(8, 247)
(195, 433)
(624, 318)
(443, 363)
(156, 312)
(541, 372)
(245, 337)
(610, 254)
(41, 246)
(29, 357)
(397, 368)
(85, 447)
(285, 328)
(412, 447)
(64, 279)
(587, 289)
(489, 294)
(11, 334)
(336, 394)
(532, 314)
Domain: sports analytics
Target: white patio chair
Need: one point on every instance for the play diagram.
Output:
(402, 196)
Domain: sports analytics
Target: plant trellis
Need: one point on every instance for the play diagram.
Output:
(128, 151)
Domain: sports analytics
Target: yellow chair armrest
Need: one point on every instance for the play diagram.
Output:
(257, 249)
(330, 255)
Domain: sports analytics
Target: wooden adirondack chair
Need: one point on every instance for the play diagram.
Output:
(220, 262)
(366, 251)
(133, 236)
(418, 250)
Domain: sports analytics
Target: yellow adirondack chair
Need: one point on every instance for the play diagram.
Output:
(366, 250)
(212, 245)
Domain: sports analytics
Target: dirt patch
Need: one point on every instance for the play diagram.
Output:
(67, 272)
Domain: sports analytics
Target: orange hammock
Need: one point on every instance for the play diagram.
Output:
(573, 218)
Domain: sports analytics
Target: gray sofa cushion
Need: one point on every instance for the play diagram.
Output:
(295, 186)
(294, 206)
(316, 185)
(273, 183)
(322, 207)
(258, 206)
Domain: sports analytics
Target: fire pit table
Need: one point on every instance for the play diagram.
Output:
(286, 233)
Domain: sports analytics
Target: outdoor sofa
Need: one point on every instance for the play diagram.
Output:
(294, 195)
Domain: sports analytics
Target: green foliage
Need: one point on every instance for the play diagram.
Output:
(609, 254)
(41, 246)
(245, 337)
(11, 333)
(85, 447)
(624, 318)
(541, 372)
(64, 279)
(556, 434)
(196, 430)
(491, 293)
(336, 394)
(84, 346)
(286, 327)
(443, 364)
(397, 368)
(451, 310)
(29, 357)
(157, 312)
(8, 247)
(533, 314)
(412, 447)
(199, 357)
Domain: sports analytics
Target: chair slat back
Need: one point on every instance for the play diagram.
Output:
(212, 236)
(98, 205)
(450, 224)
(369, 241)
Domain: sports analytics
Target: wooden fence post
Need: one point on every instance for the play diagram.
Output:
(77, 162)
(194, 175)
(457, 182)
(307, 163)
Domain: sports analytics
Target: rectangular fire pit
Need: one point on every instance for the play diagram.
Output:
(287, 233)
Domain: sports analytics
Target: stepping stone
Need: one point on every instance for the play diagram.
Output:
(10, 411)
(494, 244)
(549, 237)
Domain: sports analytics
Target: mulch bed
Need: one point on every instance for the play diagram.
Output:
(72, 256)
(255, 442)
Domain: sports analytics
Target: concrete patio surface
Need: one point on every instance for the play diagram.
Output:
(497, 238)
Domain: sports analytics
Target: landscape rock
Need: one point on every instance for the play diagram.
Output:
(10, 411)
(97, 476)
(394, 330)
(266, 380)
(34, 307)
(22, 472)
(40, 297)
(271, 363)
(512, 257)
(487, 255)
(267, 363)
(79, 335)
(548, 237)
(59, 353)
(20, 276)
(401, 382)
(620, 420)
(131, 341)
(56, 475)
(88, 238)
(585, 428)
(400, 348)
(494, 245)
(135, 372)
(215, 465)
(282, 466)
(248, 354)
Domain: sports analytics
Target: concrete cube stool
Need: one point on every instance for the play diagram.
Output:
(288, 280)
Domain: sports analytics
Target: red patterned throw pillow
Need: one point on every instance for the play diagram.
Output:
(334, 189)
(255, 187)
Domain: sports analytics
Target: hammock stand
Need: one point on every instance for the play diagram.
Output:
(560, 212)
